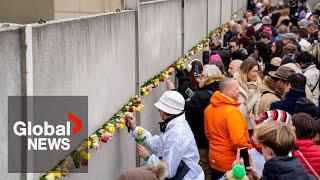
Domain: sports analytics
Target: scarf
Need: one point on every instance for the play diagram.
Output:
(251, 88)
(163, 125)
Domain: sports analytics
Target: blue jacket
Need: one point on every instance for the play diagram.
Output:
(290, 101)
(283, 168)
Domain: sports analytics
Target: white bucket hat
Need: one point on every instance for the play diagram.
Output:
(171, 102)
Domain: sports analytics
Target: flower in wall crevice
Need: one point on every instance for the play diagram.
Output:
(81, 156)
(179, 64)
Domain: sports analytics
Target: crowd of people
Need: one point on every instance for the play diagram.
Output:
(257, 91)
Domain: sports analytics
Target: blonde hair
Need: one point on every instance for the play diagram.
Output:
(276, 135)
(244, 69)
(282, 29)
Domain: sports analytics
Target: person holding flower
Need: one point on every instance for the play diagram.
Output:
(175, 146)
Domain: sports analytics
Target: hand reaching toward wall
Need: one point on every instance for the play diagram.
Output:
(170, 85)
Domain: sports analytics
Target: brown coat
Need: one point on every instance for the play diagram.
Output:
(270, 93)
(273, 95)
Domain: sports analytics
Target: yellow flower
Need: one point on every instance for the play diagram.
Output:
(121, 126)
(83, 154)
(143, 89)
(57, 174)
(53, 175)
(138, 109)
(141, 106)
(50, 176)
(140, 132)
(110, 128)
(89, 143)
(145, 94)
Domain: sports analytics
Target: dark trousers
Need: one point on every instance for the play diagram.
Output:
(215, 174)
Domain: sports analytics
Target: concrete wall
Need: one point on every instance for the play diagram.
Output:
(94, 57)
(160, 43)
(10, 83)
(226, 11)
(214, 14)
(195, 22)
(242, 6)
(234, 5)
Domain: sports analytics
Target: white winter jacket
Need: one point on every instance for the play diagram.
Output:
(249, 105)
(175, 144)
(305, 45)
(312, 74)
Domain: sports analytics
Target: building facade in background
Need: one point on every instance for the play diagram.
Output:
(30, 11)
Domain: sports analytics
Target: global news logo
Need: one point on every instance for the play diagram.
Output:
(46, 136)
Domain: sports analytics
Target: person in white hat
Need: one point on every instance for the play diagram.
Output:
(176, 145)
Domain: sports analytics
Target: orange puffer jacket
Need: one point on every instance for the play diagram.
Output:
(226, 130)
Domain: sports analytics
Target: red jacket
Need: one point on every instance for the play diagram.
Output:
(311, 152)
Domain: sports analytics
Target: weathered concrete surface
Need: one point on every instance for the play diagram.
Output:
(214, 14)
(195, 22)
(94, 57)
(10, 83)
(226, 11)
(234, 6)
(160, 43)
